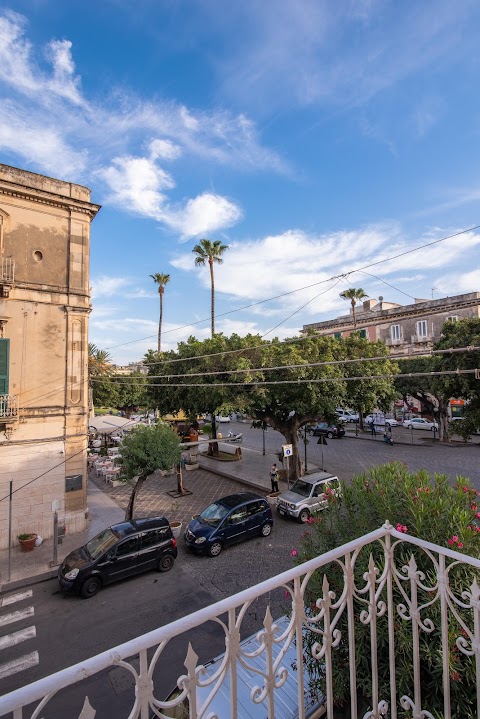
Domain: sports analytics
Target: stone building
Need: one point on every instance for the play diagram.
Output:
(44, 309)
(404, 328)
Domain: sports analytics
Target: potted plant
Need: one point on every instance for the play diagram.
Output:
(272, 498)
(175, 525)
(27, 541)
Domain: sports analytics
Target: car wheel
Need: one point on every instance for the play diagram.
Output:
(409, 426)
(215, 549)
(330, 435)
(310, 432)
(431, 429)
(304, 515)
(166, 563)
(266, 530)
(90, 587)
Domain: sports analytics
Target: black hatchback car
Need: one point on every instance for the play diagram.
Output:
(227, 521)
(323, 429)
(120, 551)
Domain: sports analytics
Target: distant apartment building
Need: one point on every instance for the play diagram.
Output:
(130, 368)
(403, 328)
(44, 309)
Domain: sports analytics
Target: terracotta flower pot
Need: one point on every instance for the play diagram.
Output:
(27, 545)
(176, 528)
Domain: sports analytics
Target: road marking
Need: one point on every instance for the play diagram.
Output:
(15, 598)
(16, 616)
(18, 665)
(10, 640)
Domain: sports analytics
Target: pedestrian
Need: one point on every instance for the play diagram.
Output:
(372, 428)
(274, 478)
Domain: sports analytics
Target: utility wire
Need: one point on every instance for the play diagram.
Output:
(306, 287)
(380, 358)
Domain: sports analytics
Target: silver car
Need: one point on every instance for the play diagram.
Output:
(307, 495)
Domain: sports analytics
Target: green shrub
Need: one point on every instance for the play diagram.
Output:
(425, 507)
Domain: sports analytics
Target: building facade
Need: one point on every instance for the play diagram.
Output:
(44, 309)
(404, 328)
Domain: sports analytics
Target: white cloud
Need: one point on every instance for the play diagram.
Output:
(138, 183)
(458, 283)
(107, 286)
(164, 150)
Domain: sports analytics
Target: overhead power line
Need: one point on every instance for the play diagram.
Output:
(306, 287)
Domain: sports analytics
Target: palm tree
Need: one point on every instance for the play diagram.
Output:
(354, 295)
(99, 362)
(161, 281)
(211, 251)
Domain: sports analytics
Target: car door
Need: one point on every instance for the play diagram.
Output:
(150, 551)
(317, 500)
(237, 525)
(255, 517)
(122, 561)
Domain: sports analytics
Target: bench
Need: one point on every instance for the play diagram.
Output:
(229, 448)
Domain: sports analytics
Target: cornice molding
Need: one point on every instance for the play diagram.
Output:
(45, 198)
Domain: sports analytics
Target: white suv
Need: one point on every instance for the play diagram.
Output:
(346, 415)
(380, 420)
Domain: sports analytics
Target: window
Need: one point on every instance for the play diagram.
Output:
(256, 508)
(4, 354)
(453, 318)
(395, 332)
(239, 515)
(155, 536)
(337, 335)
(363, 333)
(127, 547)
(422, 328)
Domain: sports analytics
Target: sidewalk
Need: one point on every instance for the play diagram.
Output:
(28, 567)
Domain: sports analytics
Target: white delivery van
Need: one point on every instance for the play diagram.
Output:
(286, 698)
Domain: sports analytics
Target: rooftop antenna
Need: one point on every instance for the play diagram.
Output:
(433, 290)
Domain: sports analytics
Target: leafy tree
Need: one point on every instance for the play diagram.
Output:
(354, 295)
(99, 368)
(208, 251)
(425, 507)
(161, 280)
(436, 390)
(131, 392)
(285, 399)
(144, 450)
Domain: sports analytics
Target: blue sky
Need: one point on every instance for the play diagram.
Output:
(312, 137)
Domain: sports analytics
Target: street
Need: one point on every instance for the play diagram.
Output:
(57, 631)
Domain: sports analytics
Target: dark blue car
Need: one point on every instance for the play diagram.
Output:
(229, 520)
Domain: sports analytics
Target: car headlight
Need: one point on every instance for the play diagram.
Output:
(72, 574)
(200, 540)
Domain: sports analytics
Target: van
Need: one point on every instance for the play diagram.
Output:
(307, 495)
(286, 697)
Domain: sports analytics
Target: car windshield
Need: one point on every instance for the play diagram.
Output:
(99, 544)
(213, 514)
(302, 488)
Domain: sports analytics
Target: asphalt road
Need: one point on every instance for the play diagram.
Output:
(69, 629)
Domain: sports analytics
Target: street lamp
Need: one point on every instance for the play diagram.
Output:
(264, 429)
(305, 442)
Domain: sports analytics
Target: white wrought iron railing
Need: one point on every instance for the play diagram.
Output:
(8, 406)
(7, 269)
(392, 590)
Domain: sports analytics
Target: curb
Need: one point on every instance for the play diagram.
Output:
(28, 581)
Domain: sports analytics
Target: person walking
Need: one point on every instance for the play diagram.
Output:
(372, 428)
(274, 478)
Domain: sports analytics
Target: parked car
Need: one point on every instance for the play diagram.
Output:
(222, 418)
(380, 420)
(420, 423)
(227, 521)
(120, 551)
(327, 430)
(346, 415)
(307, 495)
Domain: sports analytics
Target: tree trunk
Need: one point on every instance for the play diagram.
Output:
(353, 313)
(212, 282)
(290, 432)
(160, 292)
(443, 433)
(131, 502)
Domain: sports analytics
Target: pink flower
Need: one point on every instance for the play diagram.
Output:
(465, 489)
(455, 538)
(293, 553)
(401, 528)
(310, 520)
(450, 541)
(460, 544)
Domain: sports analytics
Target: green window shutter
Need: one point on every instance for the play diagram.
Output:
(363, 333)
(4, 351)
(337, 335)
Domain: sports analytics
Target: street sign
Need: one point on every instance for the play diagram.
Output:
(322, 440)
(287, 450)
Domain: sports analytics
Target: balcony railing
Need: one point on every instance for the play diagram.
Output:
(8, 407)
(386, 589)
(7, 270)
(421, 339)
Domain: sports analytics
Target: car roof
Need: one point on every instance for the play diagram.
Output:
(139, 525)
(318, 477)
(233, 500)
